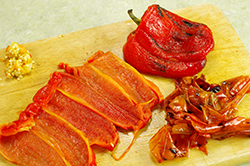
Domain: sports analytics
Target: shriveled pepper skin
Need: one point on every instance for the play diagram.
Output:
(168, 45)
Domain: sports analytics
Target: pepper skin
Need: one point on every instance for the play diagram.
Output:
(168, 45)
(197, 111)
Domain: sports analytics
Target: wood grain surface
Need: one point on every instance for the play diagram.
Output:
(228, 59)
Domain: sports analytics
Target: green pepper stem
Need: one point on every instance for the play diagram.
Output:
(132, 16)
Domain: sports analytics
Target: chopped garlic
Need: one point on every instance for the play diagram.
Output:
(18, 61)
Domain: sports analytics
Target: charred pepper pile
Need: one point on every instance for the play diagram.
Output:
(197, 111)
(168, 45)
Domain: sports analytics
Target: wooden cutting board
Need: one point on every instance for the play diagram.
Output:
(228, 59)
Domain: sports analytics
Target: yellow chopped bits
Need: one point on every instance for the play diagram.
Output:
(18, 61)
(63, 35)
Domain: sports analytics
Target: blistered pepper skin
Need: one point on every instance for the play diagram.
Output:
(144, 62)
(168, 45)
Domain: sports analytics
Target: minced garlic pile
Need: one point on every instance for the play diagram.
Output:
(18, 61)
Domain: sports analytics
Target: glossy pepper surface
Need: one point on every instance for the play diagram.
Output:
(168, 45)
(197, 111)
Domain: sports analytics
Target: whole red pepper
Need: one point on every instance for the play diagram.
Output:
(168, 45)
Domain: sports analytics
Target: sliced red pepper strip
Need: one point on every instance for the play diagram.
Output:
(138, 87)
(141, 91)
(25, 148)
(24, 123)
(44, 94)
(102, 75)
(70, 143)
(84, 100)
(171, 44)
(97, 129)
(44, 143)
(127, 81)
(97, 102)
(100, 131)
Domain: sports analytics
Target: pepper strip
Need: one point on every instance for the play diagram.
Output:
(50, 141)
(104, 72)
(99, 130)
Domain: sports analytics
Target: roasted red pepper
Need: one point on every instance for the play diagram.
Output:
(77, 109)
(168, 45)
